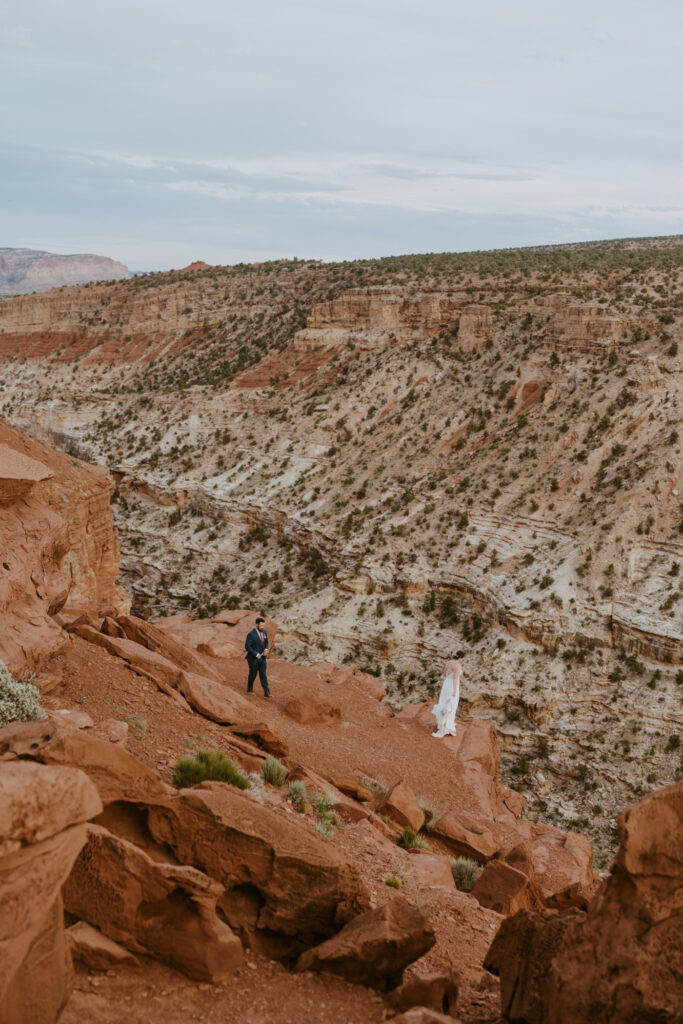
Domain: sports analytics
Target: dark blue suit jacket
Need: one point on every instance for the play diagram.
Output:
(253, 645)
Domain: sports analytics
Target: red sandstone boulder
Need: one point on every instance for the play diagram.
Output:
(559, 864)
(285, 888)
(431, 869)
(311, 711)
(352, 787)
(465, 837)
(212, 699)
(343, 806)
(152, 907)
(400, 803)
(423, 1015)
(37, 802)
(19, 474)
(375, 948)
(116, 774)
(622, 961)
(264, 737)
(504, 889)
(158, 641)
(95, 950)
(436, 991)
(42, 811)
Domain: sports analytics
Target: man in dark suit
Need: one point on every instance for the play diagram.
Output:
(256, 652)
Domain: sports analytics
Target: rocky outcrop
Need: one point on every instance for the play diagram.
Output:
(384, 317)
(42, 811)
(375, 948)
(153, 907)
(58, 546)
(30, 270)
(586, 327)
(621, 962)
(284, 890)
(400, 803)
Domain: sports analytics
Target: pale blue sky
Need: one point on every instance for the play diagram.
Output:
(159, 132)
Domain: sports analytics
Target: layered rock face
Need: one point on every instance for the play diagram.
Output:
(29, 270)
(622, 962)
(57, 543)
(417, 455)
(382, 317)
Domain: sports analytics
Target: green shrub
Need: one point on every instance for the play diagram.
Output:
(273, 771)
(19, 702)
(322, 802)
(465, 872)
(431, 816)
(207, 764)
(392, 881)
(297, 795)
(410, 840)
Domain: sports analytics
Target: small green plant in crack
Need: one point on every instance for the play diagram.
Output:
(410, 840)
(296, 794)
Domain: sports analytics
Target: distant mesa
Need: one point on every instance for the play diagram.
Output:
(31, 270)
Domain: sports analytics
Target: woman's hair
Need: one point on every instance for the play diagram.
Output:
(459, 655)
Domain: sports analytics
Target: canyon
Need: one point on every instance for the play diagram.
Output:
(397, 458)
(396, 877)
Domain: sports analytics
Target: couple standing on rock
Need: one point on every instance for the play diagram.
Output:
(256, 652)
(256, 649)
(444, 711)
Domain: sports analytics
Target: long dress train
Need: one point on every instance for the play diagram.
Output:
(445, 710)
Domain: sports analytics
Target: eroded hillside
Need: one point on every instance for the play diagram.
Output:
(400, 457)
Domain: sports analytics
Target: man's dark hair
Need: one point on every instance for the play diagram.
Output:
(260, 619)
(459, 655)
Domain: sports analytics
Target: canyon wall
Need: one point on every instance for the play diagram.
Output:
(57, 543)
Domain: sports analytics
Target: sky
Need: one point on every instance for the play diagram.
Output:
(159, 132)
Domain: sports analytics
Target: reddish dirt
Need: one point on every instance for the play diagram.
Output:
(370, 742)
(261, 992)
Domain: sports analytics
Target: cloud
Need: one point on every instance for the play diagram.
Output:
(336, 129)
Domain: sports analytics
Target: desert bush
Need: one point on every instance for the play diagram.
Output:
(296, 793)
(273, 771)
(207, 764)
(19, 702)
(431, 815)
(465, 872)
(375, 786)
(410, 840)
(392, 881)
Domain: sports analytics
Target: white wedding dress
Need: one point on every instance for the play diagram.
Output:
(445, 710)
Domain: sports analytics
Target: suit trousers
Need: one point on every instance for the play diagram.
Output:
(257, 666)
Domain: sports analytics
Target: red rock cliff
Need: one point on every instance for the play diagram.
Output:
(57, 545)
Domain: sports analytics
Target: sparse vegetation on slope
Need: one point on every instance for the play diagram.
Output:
(478, 450)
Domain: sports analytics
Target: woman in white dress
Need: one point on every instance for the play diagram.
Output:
(445, 710)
